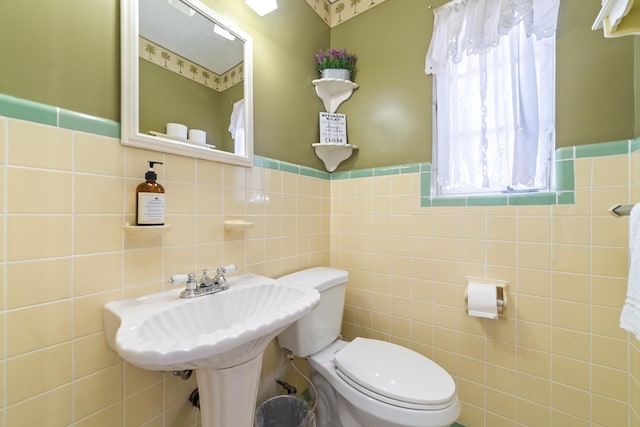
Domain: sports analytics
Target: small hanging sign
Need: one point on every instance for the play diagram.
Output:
(333, 128)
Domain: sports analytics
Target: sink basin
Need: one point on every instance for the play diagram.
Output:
(221, 336)
(163, 332)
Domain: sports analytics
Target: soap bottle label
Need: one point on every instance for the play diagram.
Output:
(150, 208)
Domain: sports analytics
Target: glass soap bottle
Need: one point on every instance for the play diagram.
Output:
(150, 199)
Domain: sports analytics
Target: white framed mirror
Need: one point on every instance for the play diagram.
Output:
(184, 63)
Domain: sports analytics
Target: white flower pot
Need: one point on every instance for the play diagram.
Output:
(336, 73)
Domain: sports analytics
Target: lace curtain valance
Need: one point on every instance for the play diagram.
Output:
(468, 27)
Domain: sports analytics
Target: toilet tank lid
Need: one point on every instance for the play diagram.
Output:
(318, 278)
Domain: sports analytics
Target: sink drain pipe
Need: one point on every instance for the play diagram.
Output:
(194, 397)
(291, 390)
(185, 375)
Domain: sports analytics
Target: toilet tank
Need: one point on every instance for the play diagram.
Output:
(322, 326)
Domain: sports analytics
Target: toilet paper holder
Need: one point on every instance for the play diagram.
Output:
(501, 294)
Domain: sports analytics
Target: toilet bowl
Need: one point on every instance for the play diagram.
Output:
(365, 382)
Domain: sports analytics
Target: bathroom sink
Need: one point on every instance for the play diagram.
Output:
(222, 336)
(164, 332)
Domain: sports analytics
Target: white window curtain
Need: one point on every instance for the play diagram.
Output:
(493, 63)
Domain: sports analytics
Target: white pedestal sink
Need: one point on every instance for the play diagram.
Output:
(221, 336)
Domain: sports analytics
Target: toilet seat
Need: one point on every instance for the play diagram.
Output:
(395, 375)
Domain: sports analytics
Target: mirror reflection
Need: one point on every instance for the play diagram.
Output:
(190, 68)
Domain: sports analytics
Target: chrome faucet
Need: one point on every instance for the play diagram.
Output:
(220, 281)
(205, 280)
(206, 285)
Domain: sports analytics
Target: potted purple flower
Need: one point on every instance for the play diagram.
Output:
(336, 63)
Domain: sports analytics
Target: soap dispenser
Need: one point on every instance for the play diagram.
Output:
(150, 199)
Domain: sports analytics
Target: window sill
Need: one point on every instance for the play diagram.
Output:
(518, 199)
(563, 195)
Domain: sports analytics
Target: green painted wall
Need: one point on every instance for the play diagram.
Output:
(167, 97)
(285, 104)
(595, 81)
(69, 57)
(65, 54)
(636, 78)
(389, 116)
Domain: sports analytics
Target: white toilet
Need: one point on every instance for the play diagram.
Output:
(365, 382)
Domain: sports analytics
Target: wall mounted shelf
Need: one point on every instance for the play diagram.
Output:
(146, 232)
(618, 18)
(237, 225)
(333, 154)
(333, 92)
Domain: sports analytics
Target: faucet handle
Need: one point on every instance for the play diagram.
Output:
(192, 285)
(176, 279)
(181, 278)
(226, 269)
(220, 281)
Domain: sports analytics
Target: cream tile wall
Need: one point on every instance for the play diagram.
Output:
(559, 359)
(634, 346)
(65, 197)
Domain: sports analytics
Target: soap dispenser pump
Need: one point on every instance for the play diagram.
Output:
(150, 199)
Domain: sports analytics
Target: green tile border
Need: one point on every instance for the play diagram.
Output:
(565, 179)
(604, 149)
(564, 168)
(279, 165)
(495, 200)
(90, 124)
(566, 197)
(382, 171)
(22, 109)
(564, 153)
(565, 175)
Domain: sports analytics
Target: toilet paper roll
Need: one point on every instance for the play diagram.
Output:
(482, 300)
(177, 129)
(197, 136)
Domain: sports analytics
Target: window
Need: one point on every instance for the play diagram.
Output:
(494, 85)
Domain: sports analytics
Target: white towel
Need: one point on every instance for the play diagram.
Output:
(236, 127)
(630, 317)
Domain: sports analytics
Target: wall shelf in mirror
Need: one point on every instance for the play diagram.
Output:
(177, 138)
(146, 232)
(334, 92)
